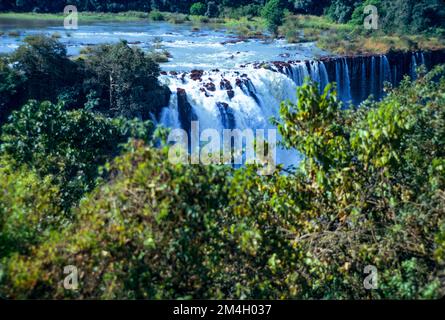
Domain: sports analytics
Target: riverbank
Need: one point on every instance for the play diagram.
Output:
(245, 27)
(83, 16)
(345, 39)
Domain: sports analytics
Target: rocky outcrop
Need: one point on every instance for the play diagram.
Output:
(157, 99)
(185, 110)
(196, 75)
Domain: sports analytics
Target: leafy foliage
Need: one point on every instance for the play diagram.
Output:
(116, 80)
(370, 191)
(198, 9)
(274, 14)
(124, 80)
(11, 88)
(69, 146)
(29, 208)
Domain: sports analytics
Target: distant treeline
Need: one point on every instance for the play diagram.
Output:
(182, 6)
(395, 15)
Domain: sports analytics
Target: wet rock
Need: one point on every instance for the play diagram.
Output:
(234, 41)
(205, 92)
(185, 110)
(196, 75)
(225, 85)
(281, 65)
(210, 86)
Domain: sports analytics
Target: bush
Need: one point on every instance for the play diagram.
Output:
(250, 11)
(156, 16)
(68, 145)
(274, 15)
(11, 89)
(44, 63)
(29, 208)
(198, 9)
(125, 81)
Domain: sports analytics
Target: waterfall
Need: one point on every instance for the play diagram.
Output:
(422, 59)
(170, 115)
(363, 80)
(386, 69)
(232, 99)
(373, 73)
(342, 79)
(315, 71)
(413, 67)
(299, 72)
(324, 78)
(248, 97)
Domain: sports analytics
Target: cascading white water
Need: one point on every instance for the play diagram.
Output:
(417, 59)
(257, 94)
(342, 78)
(422, 58)
(170, 115)
(413, 67)
(248, 97)
(298, 72)
(363, 80)
(324, 78)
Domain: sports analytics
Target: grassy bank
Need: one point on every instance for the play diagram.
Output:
(83, 16)
(246, 27)
(346, 39)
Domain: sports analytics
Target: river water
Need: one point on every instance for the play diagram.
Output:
(206, 48)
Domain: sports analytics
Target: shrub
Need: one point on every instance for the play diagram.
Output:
(274, 15)
(156, 16)
(198, 9)
(68, 145)
(29, 208)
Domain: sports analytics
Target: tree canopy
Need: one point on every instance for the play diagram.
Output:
(369, 192)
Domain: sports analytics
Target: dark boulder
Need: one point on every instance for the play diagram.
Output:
(185, 110)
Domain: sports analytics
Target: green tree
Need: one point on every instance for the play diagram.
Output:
(311, 6)
(198, 9)
(46, 67)
(11, 89)
(29, 208)
(274, 14)
(341, 10)
(125, 80)
(68, 145)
